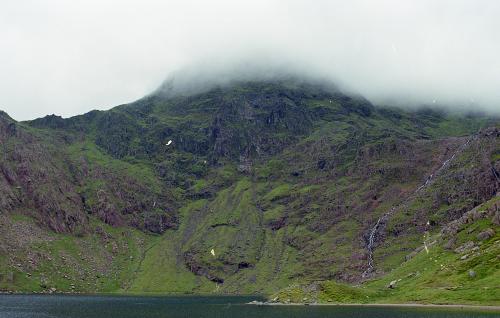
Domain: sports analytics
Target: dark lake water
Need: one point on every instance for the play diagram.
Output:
(26, 306)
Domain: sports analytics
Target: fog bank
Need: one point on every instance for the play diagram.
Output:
(68, 57)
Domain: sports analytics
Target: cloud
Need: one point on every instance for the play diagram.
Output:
(67, 57)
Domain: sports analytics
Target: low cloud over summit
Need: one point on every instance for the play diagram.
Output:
(69, 57)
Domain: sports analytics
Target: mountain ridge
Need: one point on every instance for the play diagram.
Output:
(283, 180)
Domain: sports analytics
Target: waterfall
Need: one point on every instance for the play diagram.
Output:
(385, 216)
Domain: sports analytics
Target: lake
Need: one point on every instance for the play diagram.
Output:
(59, 306)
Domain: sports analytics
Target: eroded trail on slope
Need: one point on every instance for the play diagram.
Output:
(385, 217)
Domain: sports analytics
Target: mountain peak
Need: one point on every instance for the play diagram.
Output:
(4, 116)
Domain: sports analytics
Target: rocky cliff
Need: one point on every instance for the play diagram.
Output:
(283, 181)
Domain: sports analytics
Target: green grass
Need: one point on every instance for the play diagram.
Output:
(137, 169)
(279, 192)
(88, 263)
(441, 276)
(434, 275)
(322, 171)
(495, 156)
(332, 292)
(162, 271)
(274, 213)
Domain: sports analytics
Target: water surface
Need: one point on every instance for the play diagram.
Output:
(57, 306)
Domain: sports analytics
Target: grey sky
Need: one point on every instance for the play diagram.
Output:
(68, 57)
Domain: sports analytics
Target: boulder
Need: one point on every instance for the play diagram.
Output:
(486, 234)
(465, 247)
(392, 284)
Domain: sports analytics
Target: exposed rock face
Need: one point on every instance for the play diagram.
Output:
(106, 211)
(491, 132)
(201, 270)
(284, 179)
(486, 234)
(40, 177)
(33, 179)
(452, 228)
(465, 247)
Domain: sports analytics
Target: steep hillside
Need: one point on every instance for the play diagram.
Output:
(460, 264)
(242, 189)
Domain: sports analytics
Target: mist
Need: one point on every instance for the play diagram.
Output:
(68, 57)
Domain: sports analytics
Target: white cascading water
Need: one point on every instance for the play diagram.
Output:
(385, 216)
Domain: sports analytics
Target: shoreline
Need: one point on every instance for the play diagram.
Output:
(494, 308)
(456, 306)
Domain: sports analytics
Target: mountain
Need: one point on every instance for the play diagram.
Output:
(246, 188)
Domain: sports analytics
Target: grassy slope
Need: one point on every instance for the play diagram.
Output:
(227, 224)
(273, 227)
(102, 262)
(437, 276)
(161, 271)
